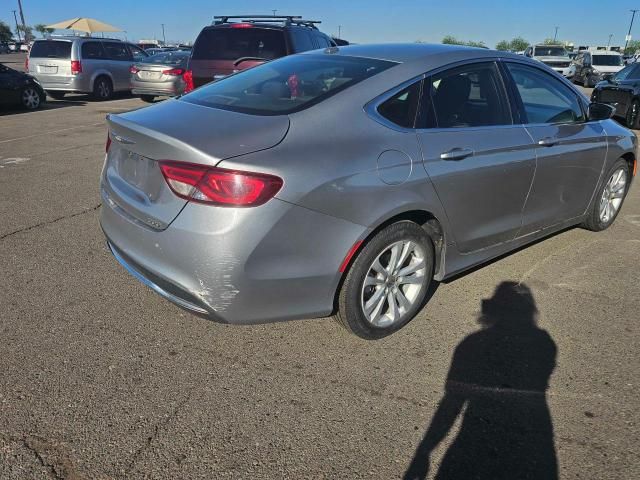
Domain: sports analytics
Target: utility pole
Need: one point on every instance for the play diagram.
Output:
(555, 35)
(274, 12)
(339, 29)
(17, 28)
(609, 42)
(24, 24)
(164, 40)
(628, 37)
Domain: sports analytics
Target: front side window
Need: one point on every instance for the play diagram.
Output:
(545, 99)
(286, 85)
(630, 72)
(402, 108)
(117, 51)
(138, 53)
(470, 96)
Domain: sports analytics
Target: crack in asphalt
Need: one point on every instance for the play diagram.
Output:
(49, 222)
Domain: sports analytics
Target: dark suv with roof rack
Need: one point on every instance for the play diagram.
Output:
(234, 43)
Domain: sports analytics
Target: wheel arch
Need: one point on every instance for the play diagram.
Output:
(631, 159)
(101, 73)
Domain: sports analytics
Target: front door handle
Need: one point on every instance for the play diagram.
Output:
(456, 154)
(548, 142)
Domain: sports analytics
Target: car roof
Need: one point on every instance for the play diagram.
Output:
(414, 52)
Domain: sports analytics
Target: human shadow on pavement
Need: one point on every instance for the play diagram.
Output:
(498, 376)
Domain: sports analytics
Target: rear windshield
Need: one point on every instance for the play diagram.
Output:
(286, 85)
(51, 49)
(607, 60)
(234, 43)
(550, 52)
(168, 58)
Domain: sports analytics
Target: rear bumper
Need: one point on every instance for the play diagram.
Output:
(159, 89)
(240, 266)
(77, 83)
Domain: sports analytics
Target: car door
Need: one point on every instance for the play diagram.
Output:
(578, 66)
(93, 56)
(480, 163)
(9, 91)
(120, 61)
(570, 151)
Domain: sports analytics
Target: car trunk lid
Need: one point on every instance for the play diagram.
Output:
(178, 131)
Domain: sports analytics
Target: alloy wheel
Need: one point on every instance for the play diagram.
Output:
(103, 89)
(612, 195)
(393, 283)
(30, 98)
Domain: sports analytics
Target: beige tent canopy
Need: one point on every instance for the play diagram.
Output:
(82, 24)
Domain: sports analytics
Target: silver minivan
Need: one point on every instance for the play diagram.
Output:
(99, 66)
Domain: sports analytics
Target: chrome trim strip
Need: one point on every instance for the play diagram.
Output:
(163, 293)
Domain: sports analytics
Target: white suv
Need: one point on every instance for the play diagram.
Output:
(554, 56)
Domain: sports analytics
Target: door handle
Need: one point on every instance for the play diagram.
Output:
(547, 142)
(456, 154)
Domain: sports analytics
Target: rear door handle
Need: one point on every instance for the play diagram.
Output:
(548, 142)
(456, 154)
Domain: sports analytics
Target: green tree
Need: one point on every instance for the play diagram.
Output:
(503, 45)
(42, 29)
(551, 41)
(518, 44)
(632, 47)
(473, 43)
(451, 40)
(27, 32)
(5, 32)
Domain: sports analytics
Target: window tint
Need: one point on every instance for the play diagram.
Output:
(630, 72)
(322, 41)
(234, 43)
(469, 96)
(286, 85)
(92, 50)
(607, 60)
(138, 53)
(302, 40)
(51, 49)
(401, 109)
(545, 98)
(117, 51)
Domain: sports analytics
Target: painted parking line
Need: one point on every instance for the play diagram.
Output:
(50, 132)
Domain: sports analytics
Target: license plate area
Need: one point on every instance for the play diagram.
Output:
(51, 69)
(147, 75)
(138, 171)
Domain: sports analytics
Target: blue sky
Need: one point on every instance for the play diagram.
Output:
(585, 22)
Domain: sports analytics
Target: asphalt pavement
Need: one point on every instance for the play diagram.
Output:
(102, 379)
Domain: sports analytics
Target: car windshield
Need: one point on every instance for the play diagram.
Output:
(550, 52)
(630, 72)
(607, 60)
(287, 85)
(51, 49)
(167, 58)
(234, 43)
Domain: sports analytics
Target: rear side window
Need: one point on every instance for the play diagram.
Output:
(117, 51)
(286, 85)
(302, 40)
(321, 40)
(402, 108)
(545, 99)
(92, 50)
(469, 96)
(234, 43)
(51, 49)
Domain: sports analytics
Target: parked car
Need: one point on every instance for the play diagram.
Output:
(160, 75)
(622, 91)
(593, 67)
(99, 66)
(18, 88)
(349, 179)
(234, 43)
(4, 47)
(555, 56)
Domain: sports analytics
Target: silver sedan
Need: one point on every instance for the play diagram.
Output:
(347, 181)
(161, 75)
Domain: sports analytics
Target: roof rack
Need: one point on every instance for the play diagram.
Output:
(286, 19)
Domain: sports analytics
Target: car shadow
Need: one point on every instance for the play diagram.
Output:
(497, 384)
(48, 105)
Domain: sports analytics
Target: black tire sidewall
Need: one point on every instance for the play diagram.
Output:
(594, 221)
(96, 89)
(350, 308)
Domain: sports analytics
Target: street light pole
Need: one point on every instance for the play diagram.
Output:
(17, 28)
(24, 24)
(555, 35)
(164, 40)
(628, 37)
(609, 42)
(339, 30)
(274, 12)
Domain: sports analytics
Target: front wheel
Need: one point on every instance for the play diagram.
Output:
(30, 98)
(609, 198)
(387, 282)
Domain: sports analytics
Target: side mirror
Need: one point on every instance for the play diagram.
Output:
(600, 111)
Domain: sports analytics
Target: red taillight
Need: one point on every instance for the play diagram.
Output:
(26, 64)
(106, 147)
(133, 69)
(218, 186)
(174, 71)
(241, 25)
(76, 67)
(188, 79)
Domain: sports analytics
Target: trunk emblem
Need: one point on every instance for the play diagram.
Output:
(123, 140)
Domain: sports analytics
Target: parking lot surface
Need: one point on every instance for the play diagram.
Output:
(102, 379)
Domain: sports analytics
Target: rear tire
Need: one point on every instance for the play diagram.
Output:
(56, 95)
(147, 98)
(609, 197)
(102, 89)
(387, 282)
